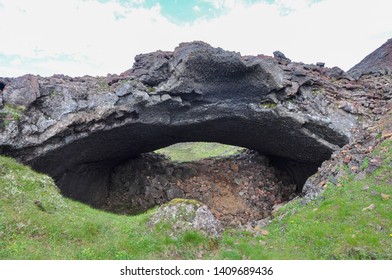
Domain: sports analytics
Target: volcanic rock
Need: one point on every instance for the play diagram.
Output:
(21, 91)
(378, 62)
(78, 129)
(183, 215)
(237, 197)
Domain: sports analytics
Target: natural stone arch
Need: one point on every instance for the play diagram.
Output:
(88, 180)
(78, 129)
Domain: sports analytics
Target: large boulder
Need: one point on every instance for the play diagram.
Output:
(182, 215)
(22, 91)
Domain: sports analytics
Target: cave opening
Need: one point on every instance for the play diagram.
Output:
(2, 86)
(240, 186)
(115, 169)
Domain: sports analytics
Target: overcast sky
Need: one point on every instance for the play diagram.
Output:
(97, 37)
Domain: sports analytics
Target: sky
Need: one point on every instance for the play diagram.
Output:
(97, 37)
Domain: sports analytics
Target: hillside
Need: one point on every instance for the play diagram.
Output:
(36, 222)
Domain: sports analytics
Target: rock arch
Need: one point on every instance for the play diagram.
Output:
(78, 129)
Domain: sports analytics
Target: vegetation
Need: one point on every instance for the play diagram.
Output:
(350, 220)
(152, 89)
(11, 113)
(36, 222)
(103, 85)
(191, 151)
(268, 105)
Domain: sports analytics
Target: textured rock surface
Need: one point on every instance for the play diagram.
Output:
(21, 91)
(78, 129)
(184, 215)
(378, 62)
(239, 190)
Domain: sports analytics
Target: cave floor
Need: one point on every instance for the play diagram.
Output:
(240, 190)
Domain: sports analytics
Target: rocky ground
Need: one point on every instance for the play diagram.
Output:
(370, 100)
(239, 190)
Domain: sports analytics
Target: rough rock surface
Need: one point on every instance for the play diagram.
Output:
(78, 129)
(239, 190)
(378, 62)
(371, 97)
(184, 215)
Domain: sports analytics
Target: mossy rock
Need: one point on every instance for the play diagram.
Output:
(182, 215)
(177, 201)
(268, 105)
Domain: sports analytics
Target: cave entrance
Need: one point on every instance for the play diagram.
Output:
(87, 164)
(240, 186)
(2, 86)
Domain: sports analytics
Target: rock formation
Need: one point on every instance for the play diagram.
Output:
(78, 129)
(183, 215)
(239, 190)
(378, 62)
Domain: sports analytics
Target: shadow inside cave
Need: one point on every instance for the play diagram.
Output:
(240, 189)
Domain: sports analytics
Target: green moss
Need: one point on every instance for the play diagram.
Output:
(11, 113)
(316, 91)
(176, 201)
(54, 93)
(268, 105)
(103, 85)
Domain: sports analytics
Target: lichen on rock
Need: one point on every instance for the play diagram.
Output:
(182, 215)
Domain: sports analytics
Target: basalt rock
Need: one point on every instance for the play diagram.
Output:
(182, 215)
(78, 129)
(240, 189)
(378, 62)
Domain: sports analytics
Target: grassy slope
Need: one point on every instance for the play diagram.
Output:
(191, 151)
(59, 228)
(334, 226)
(331, 227)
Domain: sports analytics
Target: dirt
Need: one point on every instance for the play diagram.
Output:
(239, 190)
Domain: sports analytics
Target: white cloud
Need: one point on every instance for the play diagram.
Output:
(293, 5)
(337, 32)
(16, 62)
(219, 4)
(334, 31)
(196, 8)
(85, 30)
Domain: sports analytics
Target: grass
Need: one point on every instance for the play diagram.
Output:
(191, 151)
(60, 228)
(36, 222)
(11, 113)
(334, 226)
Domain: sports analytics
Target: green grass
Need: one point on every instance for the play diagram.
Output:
(64, 229)
(334, 226)
(36, 222)
(11, 113)
(191, 151)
